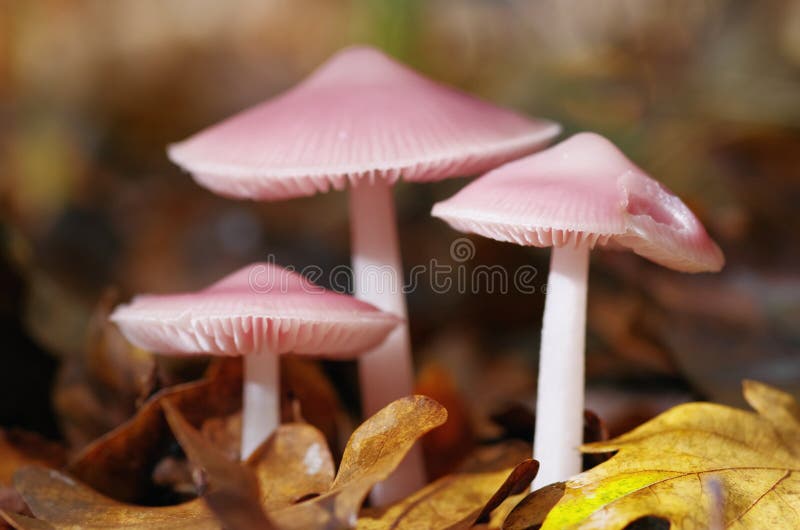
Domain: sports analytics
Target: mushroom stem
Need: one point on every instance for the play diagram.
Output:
(261, 400)
(385, 373)
(559, 402)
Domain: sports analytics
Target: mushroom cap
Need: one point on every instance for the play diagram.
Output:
(261, 308)
(583, 191)
(361, 115)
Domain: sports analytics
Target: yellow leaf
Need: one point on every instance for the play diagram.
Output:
(698, 465)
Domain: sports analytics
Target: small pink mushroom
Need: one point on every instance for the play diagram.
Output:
(260, 312)
(577, 195)
(365, 120)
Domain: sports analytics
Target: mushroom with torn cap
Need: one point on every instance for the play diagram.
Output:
(577, 195)
(260, 312)
(365, 120)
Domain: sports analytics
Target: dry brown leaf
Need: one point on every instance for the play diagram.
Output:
(233, 490)
(696, 465)
(374, 450)
(458, 501)
(66, 504)
(294, 463)
(120, 463)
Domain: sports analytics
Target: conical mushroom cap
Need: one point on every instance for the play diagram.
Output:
(361, 115)
(261, 308)
(583, 191)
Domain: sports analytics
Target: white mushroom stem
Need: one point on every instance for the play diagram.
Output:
(559, 402)
(261, 413)
(386, 372)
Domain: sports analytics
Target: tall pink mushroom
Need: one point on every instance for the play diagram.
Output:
(577, 195)
(365, 120)
(259, 312)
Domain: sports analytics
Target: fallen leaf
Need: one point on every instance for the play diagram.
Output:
(233, 489)
(373, 451)
(458, 501)
(693, 464)
(120, 463)
(66, 504)
(293, 464)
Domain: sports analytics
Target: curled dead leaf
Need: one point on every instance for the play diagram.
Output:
(233, 490)
(293, 464)
(234, 498)
(373, 451)
(120, 463)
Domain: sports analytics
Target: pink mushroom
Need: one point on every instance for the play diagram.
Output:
(577, 195)
(365, 120)
(260, 312)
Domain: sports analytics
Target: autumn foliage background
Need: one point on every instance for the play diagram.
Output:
(704, 95)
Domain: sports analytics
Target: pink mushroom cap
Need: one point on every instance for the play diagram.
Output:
(361, 115)
(583, 191)
(261, 308)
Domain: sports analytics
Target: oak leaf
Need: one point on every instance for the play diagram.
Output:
(698, 465)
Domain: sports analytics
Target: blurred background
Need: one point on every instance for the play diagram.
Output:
(705, 95)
